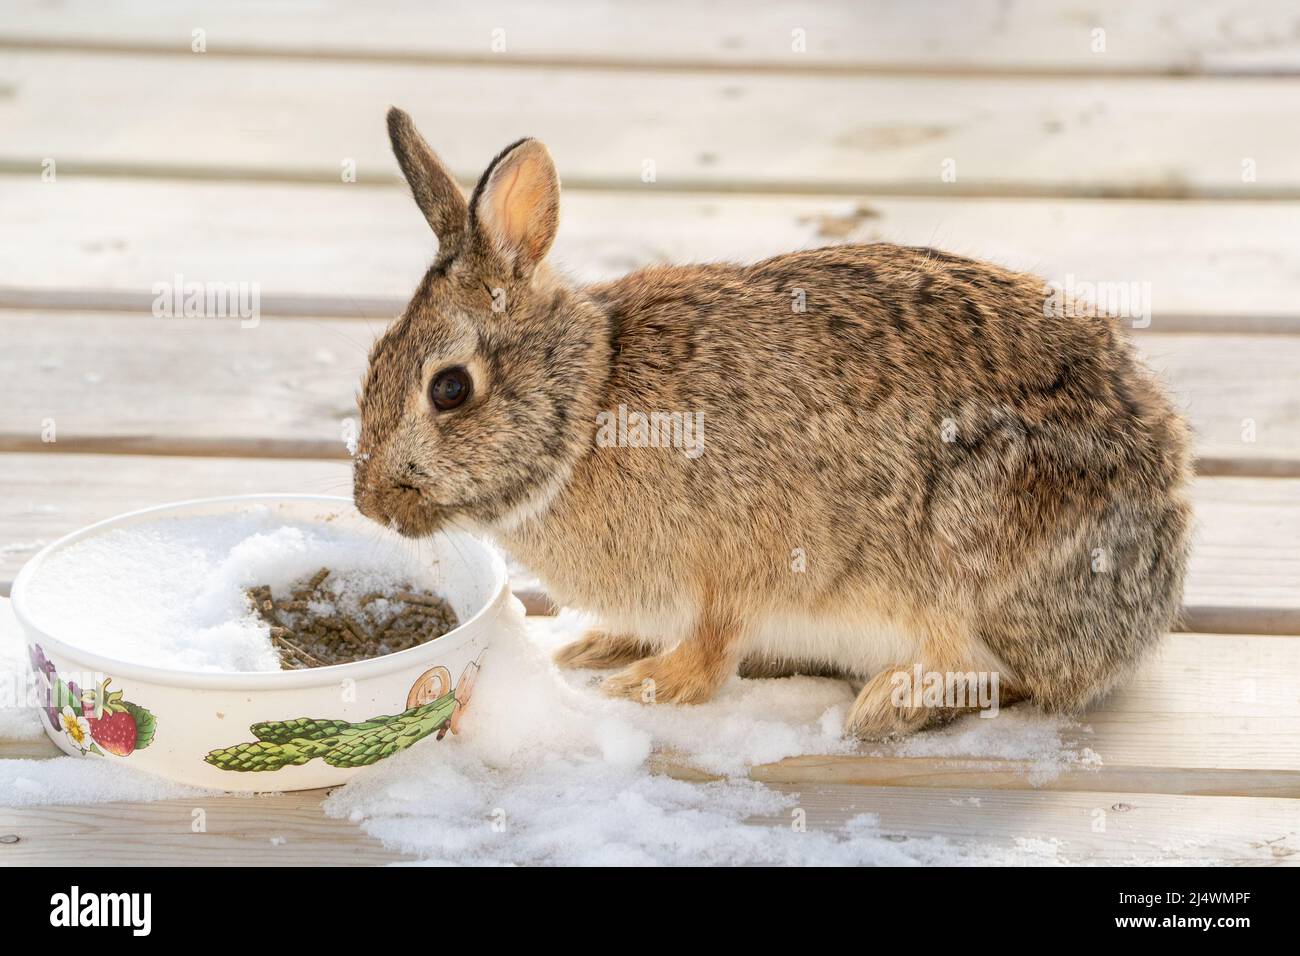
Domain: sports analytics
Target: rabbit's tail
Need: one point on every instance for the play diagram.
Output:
(1086, 615)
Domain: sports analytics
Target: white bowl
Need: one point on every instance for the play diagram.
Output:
(228, 730)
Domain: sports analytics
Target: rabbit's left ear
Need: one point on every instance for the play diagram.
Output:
(516, 205)
(433, 187)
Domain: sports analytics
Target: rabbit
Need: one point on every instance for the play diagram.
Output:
(908, 462)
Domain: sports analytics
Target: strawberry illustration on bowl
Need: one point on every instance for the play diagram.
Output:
(117, 726)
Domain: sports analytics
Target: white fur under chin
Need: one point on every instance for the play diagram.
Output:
(532, 508)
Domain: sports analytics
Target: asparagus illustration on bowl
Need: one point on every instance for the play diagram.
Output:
(284, 743)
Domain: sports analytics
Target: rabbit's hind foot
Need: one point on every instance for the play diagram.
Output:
(902, 700)
(600, 650)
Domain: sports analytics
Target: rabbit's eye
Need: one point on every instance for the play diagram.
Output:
(450, 388)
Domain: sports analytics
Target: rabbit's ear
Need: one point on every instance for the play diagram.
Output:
(433, 187)
(516, 205)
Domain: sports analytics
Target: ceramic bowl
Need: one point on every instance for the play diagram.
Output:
(272, 730)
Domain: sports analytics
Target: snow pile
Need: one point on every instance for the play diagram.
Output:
(170, 593)
(83, 780)
(549, 771)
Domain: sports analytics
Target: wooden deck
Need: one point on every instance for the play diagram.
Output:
(1128, 165)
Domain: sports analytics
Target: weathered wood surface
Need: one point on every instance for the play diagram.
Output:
(1096, 828)
(957, 36)
(1044, 826)
(284, 386)
(206, 174)
(274, 830)
(103, 243)
(1147, 138)
(1244, 574)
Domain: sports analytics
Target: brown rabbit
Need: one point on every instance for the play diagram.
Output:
(891, 457)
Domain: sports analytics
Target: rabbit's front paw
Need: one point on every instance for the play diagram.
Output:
(672, 678)
(599, 650)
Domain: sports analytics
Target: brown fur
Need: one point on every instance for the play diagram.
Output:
(599, 650)
(947, 454)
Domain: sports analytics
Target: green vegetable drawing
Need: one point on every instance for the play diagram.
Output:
(294, 742)
(432, 704)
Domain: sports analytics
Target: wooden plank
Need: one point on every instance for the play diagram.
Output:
(285, 387)
(95, 243)
(42, 748)
(1245, 566)
(1209, 714)
(1174, 771)
(286, 829)
(247, 389)
(1018, 36)
(46, 497)
(1243, 572)
(1096, 828)
(1150, 138)
(948, 773)
(1205, 702)
(1239, 395)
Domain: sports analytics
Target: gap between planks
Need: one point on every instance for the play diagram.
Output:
(992, 774)
(902, 188)
(285, 449)
(633, 63)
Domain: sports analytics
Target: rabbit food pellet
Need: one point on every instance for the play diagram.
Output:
(312, 628)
